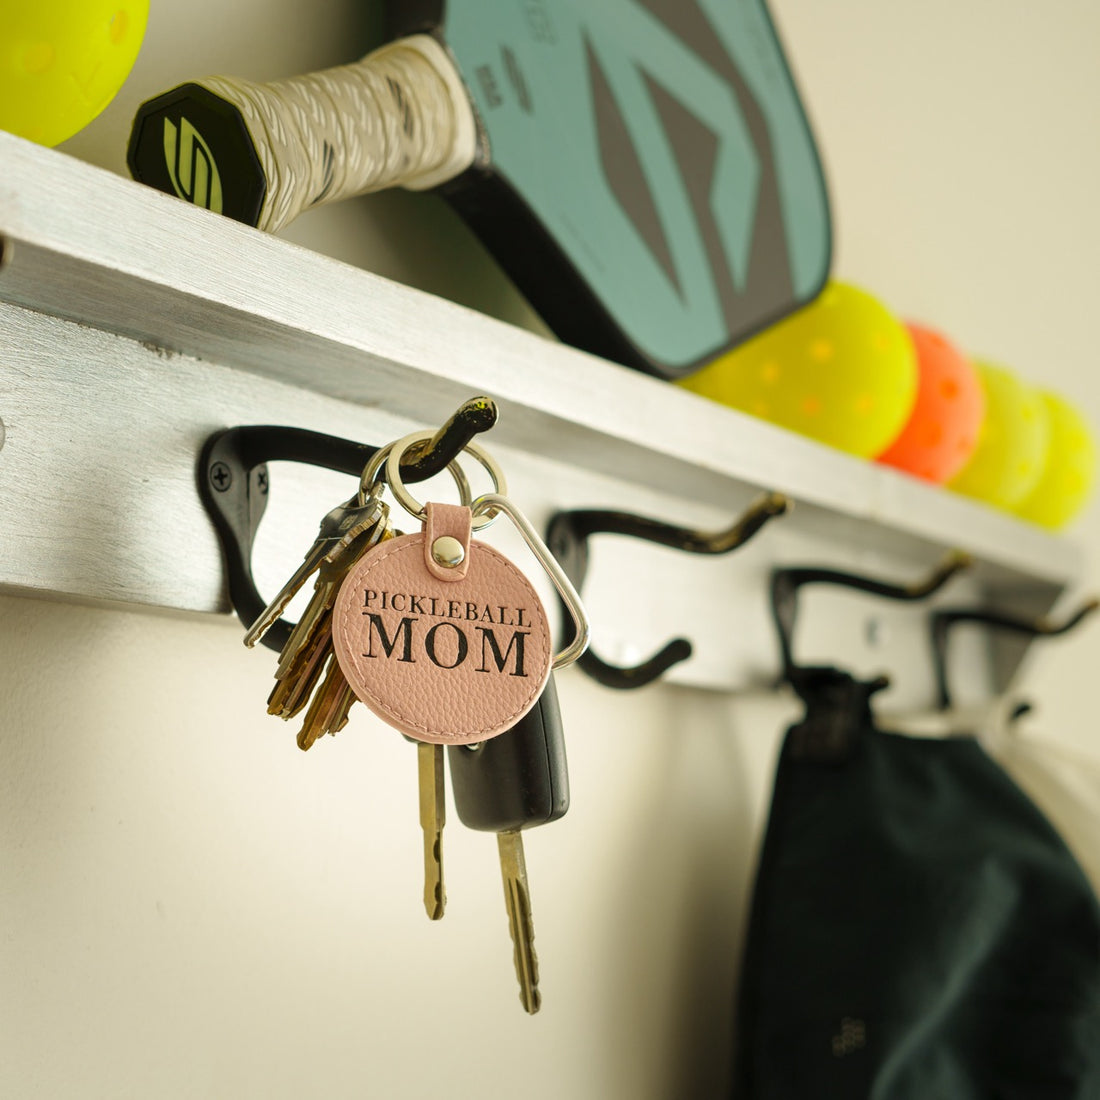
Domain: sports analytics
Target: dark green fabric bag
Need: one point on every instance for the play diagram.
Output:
(918, 928)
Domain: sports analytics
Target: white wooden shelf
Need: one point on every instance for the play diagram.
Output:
(133, 325)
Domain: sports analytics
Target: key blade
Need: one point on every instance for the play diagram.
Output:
(270, 614)
(517, 898)
(296, 681)
(338, 530)
(328, 710)
(372, 517)
(433, 816)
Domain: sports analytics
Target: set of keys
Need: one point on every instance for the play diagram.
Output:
(504, 784)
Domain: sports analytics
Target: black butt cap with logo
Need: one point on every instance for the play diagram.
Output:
(192, 143)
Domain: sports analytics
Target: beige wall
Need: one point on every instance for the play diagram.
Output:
(194, 909)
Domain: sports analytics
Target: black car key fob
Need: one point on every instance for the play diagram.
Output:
(518, 779)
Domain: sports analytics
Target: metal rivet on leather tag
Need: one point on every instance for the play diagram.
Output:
(448, 552)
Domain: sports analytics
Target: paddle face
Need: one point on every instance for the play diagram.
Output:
(649, 179)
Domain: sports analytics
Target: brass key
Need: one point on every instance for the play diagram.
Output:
(517, 897)
(308, 672)
(338, 529)
(333, 700)
(516, 781)
(347, 532)
(330, 706)
(433, 816)
(302, 661)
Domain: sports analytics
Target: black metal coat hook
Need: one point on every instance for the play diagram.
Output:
(787, 581)
(837, 704)
(568, 535)
(944, 620)
(234, 485)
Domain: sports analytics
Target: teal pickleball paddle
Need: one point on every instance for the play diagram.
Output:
(643, 171)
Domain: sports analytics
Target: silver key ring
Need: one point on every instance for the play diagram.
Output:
(369, 479)
(396, 451)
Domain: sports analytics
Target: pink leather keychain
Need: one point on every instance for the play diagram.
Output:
(440, 634)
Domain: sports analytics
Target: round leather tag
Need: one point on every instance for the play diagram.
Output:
(449, 661)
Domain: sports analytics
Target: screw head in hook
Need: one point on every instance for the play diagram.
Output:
(221, 476)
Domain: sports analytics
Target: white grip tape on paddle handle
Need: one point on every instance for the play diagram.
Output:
(399, 117)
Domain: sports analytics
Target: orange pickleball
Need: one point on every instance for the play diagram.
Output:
(942, 430)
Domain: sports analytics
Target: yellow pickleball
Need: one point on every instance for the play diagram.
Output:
(63, 61)
(841, 370)
(1012, 443)
(1067, 478)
